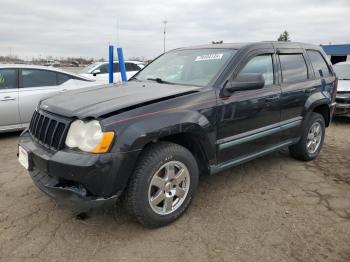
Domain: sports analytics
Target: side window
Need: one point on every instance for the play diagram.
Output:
(261, 64)
(103, 69)
(136, 67)
(131, 67)
(8, 78)
(318, 63)
(116, 67)
(36, 78)
(62, 78)
(294, 68)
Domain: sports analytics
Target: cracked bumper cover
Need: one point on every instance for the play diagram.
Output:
(72, 196)
(77, 179)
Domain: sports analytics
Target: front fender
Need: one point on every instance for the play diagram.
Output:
(137, 135)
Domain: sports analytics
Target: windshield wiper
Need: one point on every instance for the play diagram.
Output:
(159, 80)
(134, 78)
(344, 78)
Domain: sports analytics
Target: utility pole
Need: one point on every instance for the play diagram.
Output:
(164, 22)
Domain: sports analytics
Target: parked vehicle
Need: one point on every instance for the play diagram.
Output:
(99, 70)
(23, 86)
(342, 70)
(192, 111)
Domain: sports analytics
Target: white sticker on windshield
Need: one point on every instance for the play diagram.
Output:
(208, 57)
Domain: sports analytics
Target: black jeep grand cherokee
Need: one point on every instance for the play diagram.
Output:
(192, 111)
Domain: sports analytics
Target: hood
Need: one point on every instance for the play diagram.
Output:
(99, 100)
(344, 85)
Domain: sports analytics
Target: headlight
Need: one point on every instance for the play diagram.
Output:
(88, 137)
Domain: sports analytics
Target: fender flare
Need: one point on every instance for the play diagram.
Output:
(311, 103)
(135, 136)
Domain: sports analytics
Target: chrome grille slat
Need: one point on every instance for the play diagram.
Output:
(48, 129)
(40, 124)
(43, 129)
(36, 125)
(32, 121)
(62, 138)
(53, 133)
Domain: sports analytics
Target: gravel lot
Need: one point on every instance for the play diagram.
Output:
(271, 209)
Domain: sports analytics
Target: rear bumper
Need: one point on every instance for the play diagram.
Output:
(75, 178)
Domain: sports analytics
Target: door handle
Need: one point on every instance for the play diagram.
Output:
(310, 90)
(63, 90)
(272, 98)
(8, 98)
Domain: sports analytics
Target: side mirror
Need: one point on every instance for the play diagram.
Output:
(96, 72)
(242, 82)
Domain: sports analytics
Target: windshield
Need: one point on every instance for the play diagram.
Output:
(188, 67)
(342, 71)
(87, 69)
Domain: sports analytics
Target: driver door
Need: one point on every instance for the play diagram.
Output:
(247, 120)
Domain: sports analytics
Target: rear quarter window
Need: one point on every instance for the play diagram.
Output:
(62, 78)
(293, 67)
(318, 63)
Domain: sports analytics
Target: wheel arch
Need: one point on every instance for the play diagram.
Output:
(318, 104)
(189, 129)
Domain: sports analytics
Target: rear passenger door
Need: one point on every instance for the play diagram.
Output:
(35, 85)
(297, 84)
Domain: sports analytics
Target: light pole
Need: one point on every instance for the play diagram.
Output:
(164, 22)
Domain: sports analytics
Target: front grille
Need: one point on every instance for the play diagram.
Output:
(48, 130)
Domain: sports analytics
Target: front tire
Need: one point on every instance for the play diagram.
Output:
(163, 184)
(311, 141)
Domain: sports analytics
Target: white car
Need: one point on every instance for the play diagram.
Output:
(23, 86)
(99, 71)
(342, 70)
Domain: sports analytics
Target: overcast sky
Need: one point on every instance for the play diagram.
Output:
(84, 28)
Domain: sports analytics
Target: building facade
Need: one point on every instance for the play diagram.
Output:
(337, 53)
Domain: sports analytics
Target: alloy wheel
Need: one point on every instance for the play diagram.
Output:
(169, 187)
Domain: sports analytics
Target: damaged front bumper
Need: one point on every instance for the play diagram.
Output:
(74, 196)
(75, 179)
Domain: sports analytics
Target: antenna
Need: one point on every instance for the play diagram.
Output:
(164, 22)
(117, 31)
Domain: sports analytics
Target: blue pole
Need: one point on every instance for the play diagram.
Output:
(110, 63)
(121, 64)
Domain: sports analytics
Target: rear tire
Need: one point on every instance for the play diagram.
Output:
(163, 184)
(311, 141)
